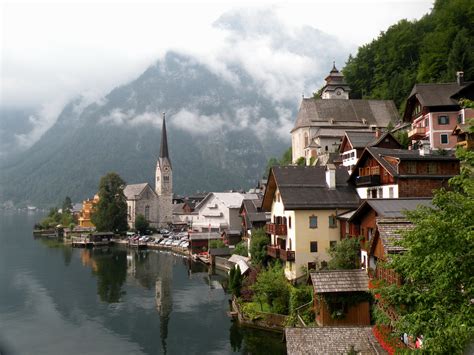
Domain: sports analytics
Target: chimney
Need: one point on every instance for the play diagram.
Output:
(331, 176)
(377, 133)
(460, 78)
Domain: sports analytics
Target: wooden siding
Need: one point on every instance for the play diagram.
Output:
(358, 314)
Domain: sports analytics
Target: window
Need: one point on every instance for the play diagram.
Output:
(380, 192)
(390, 192)
(147, 213)
(313, 222)
(371, 193)
(443, 120)
(129, 212)
(166, 178)
(289, 222)
(427, 122)
(411, 167)
(313, 247)
(444, 138)
(332, 244)
(332, 222)
(460, 118)
(432, 168)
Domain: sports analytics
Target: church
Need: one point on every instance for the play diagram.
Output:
(322, 122)
(154, 204)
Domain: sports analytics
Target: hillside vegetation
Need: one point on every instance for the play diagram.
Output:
(431, 49)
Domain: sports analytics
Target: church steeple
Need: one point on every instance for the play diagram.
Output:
(336, 87)
(164, 140)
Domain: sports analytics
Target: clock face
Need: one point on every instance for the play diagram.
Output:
(338, 92)
(166, 169)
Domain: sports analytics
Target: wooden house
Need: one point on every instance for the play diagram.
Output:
(341, 297)
(398, 173)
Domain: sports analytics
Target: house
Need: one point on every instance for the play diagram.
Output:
(219, 211)
(304, 202)
(154, 205)
(398, 173)
(433, 111)
(253, 217)
(199, 242)
(231, 236)
(354, 142)
(464, 138)
(341, 297)
(321, 123)
(332, 341)
(86, 212)
(372, 218)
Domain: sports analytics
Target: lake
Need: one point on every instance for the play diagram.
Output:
(59, 300)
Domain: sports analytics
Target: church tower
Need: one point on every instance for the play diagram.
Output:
(164, 181)
(336, 87)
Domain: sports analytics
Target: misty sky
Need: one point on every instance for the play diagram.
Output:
(53, 51)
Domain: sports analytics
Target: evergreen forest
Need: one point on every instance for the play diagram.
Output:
(428, 50)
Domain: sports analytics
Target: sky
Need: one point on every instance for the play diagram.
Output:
(52, 51)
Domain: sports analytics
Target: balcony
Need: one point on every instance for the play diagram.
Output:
(276, 229)
(417, 132)
(287, 255)
(368, 180)
(273, 251)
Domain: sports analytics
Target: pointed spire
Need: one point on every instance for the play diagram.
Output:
(164, 140)
(334, 69)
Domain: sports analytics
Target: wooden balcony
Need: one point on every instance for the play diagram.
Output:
(287, 255)
(466, 144)
(368, 180)
(276, 229)
(273, 251)
(417, 132)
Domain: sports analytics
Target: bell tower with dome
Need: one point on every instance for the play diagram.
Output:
(336, 87)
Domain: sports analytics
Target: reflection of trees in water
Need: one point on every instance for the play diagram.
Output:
(255, 341)
(110, 266)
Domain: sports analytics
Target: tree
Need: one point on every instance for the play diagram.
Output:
(216, 243)
(235, 281)
(241, 249)
(272, 286)
(67, 205)
(345, 254)
(110, 213)
(285, 159)
(258, 244)
(141, 224)
(435, 299)
(301, 161)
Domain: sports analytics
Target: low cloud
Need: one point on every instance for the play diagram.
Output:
(197, 124)
(119, 117)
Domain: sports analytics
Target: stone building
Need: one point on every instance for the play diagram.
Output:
(321, 122)
(155, 205)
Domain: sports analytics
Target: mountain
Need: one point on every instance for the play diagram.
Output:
(225, 116)
(217, 136)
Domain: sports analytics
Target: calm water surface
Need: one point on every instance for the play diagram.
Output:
(58, 300)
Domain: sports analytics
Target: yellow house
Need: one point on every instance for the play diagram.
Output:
(304, 203)
(86, 212)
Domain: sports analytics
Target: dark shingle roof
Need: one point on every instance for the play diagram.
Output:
(360, 139)
(392, 207)
(438, 94)
(346, 112)
(305, 188)
(340, 281)
(389, 232)
(220, 251)
(331, 340)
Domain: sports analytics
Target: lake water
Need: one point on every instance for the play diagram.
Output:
(59, 300)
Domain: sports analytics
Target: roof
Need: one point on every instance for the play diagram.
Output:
(229, 199)
(391, 207)
(379, 154)
(360, 139)
(326, 281)
(132, 191)
(164, 140)
(236, 258)
(178, 207)
(317, 112)
(253, 211)
(389, 231)
(220, 251)
(204, 235)
(304, 187)
(440, 94)
(331, 341)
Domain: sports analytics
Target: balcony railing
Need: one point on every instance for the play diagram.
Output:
(417, 132)
(368, 180)
(273, 251)
(276, 229)
(287, 255)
